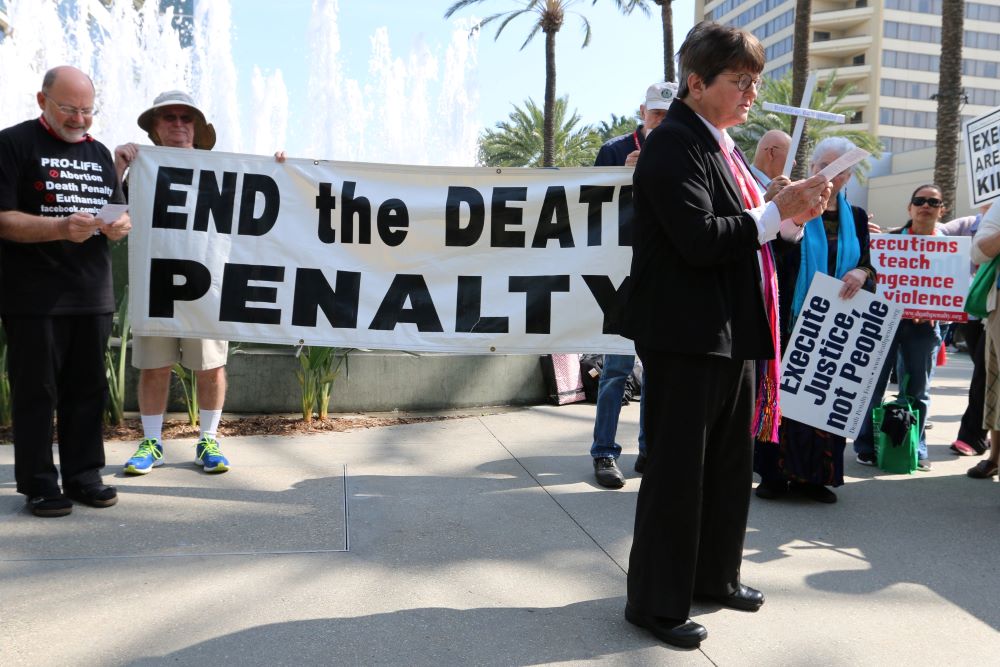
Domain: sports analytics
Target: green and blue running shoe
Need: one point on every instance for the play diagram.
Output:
(208, 455)
(148, 456)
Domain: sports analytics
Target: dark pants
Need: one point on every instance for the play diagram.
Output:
(971, 430)
(691, 514)
(56, 364)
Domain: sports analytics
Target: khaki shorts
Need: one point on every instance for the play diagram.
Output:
(196, 354)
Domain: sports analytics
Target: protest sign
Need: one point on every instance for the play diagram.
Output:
(472, 260)
(927, 275)
(834, 356)
(981, 137)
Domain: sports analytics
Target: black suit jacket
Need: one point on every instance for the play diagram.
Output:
(695, 284)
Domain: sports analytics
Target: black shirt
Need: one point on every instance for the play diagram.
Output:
(41, 174)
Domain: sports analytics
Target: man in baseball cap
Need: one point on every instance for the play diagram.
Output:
(616, 368)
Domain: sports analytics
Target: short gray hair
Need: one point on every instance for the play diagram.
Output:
(840, 145)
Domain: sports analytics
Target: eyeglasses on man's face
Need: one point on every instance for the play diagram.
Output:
(744, 81)
(933, 202)
(86, 112)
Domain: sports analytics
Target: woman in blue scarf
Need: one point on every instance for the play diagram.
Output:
(807, 459)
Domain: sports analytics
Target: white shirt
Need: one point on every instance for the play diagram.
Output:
(767, 217)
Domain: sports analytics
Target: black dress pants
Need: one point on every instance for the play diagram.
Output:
(691, 513)
(56, 364)
(971, 430)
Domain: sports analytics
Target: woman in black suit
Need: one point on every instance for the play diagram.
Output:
(700, 312)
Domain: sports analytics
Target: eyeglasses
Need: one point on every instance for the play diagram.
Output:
(86, 112)
(933, 202)
(174, 117)
(744, 81)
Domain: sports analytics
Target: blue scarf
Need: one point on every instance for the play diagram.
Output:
(814, 251)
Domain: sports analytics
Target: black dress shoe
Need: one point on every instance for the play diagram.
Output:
(50, 506)
(95, 495)
(640, 463)
(744, 599)
(816, 492)
(772, 490)
(607, 473)
(681, 632)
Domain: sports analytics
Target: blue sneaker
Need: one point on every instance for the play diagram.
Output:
(209, 456)
(148, 456)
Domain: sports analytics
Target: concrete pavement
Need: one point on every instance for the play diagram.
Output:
(483, 540)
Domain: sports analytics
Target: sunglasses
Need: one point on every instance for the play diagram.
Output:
(933, 202)
(173, 117)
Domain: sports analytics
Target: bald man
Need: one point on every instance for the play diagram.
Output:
(55, 292)
(769, 158)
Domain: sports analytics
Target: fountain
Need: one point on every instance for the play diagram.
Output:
(416, 109)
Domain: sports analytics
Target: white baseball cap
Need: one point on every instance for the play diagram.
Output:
(660, 95)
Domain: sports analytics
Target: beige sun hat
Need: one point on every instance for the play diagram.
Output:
(204, 133)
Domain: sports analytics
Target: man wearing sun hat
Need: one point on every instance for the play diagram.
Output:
(175, 121)
(617, 152)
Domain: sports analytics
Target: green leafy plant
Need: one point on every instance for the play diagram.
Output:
(5, 404)
(115, 366)
(189, 385)
(318, 368)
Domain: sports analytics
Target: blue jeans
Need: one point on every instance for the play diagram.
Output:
(914, 351)
(610, 393)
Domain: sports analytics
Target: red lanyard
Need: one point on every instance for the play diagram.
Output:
(635, 138)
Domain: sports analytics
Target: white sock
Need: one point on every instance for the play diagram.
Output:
(152, 427)
(209, 422)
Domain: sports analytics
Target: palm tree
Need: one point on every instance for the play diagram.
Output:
(949, 99)
(826, 97)
(518, 141)
(800, 72)
(617, 126)
(550, 16)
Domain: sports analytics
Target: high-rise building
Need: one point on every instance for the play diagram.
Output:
(889, 51)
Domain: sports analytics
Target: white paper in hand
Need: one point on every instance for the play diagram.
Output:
(111, 212)
(844, 162)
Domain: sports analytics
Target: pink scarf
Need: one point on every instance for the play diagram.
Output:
(767, 412)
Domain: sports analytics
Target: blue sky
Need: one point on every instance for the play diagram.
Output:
(609, 76)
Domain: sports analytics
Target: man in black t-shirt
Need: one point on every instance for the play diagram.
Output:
(55, 292)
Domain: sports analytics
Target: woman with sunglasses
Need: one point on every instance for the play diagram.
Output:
(914, 348)
(807, 460)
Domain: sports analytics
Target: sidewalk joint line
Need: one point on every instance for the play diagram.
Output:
(553, 498)
(181, 555)
(347, 516)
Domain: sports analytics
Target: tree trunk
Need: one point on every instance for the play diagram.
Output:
(667, 18)
(800, 72)
(949, 100)
(548, 125)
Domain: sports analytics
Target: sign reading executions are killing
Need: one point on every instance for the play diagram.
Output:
(473, 260)
(982, 157)
(834, 356)
(927, 275)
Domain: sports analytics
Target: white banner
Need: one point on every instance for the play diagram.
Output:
(471, 260)
(834, 355)
(927, 275)
(981, 137)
